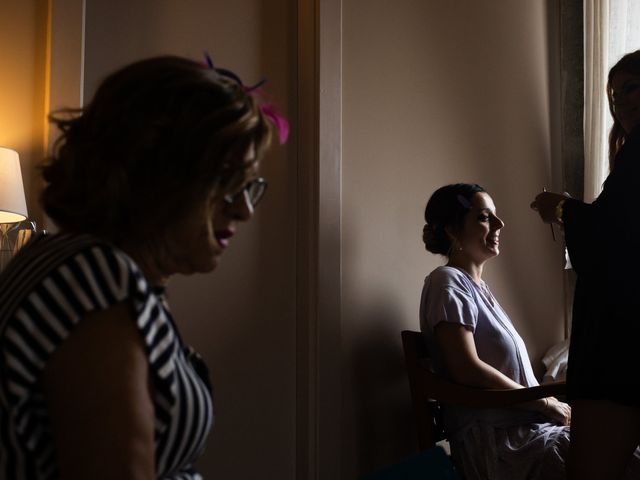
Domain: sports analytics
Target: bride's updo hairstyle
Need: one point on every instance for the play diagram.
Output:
(447, 207)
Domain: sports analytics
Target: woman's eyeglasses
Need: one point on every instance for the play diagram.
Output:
(253, 191)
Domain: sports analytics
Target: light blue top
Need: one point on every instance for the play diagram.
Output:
(450, 295)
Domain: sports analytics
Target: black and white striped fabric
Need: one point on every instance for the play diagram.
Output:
(45, 291)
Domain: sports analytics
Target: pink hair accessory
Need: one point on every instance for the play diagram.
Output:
(268, 109)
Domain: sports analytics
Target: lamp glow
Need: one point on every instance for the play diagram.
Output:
(13, 206)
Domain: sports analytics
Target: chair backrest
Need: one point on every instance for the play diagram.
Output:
(427, 410)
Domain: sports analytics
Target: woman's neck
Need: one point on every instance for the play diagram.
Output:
(153, 274)
(473, 269)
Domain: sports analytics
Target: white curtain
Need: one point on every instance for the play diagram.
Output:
(612, 28)
(596, 31)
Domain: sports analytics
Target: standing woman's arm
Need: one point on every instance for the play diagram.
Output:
(607, 230)
(97, 391)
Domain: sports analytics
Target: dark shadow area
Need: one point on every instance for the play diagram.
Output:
(384, 419)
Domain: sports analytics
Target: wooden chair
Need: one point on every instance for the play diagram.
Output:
(429, 391)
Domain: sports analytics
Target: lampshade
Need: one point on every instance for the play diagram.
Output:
(13, 207)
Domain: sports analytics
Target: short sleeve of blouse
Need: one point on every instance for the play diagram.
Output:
(92, 279)
(447, 297)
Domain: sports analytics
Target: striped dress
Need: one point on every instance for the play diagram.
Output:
(45, 292)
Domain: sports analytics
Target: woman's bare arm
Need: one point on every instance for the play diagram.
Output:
(97, 391)
(460, 355)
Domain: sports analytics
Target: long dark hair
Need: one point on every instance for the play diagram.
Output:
(630, 63)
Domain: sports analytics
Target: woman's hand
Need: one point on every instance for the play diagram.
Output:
(554, 409)
(545, 204)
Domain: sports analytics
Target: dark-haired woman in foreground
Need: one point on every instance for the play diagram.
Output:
(151, 179)
(475, 344)
(603, 383)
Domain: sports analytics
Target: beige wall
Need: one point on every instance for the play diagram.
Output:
(241, 317)
(435, 93)
(23, 36)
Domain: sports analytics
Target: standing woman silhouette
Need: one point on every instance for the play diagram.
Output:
(603, 240)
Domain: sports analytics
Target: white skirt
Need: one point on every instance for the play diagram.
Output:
(518, 452)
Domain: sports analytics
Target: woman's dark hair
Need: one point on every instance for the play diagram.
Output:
(447, 207)
(159, 136)
(630, 63)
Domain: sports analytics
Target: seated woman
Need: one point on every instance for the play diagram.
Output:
(474, 343)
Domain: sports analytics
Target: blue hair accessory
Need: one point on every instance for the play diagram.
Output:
(268, 109)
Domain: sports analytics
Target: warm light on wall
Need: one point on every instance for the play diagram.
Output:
(24, 35)
(13, 206)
